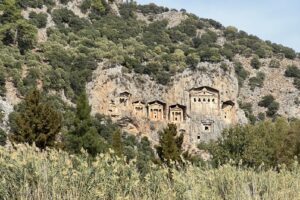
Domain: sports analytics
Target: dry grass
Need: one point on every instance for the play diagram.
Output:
(26, 173)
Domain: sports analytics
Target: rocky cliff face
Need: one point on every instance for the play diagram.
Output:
(201, 103)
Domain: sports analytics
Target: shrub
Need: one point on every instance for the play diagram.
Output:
(2, 84)
(269, 102)
(253, 145)
(241, 73)
(247, 108)
(35, 121)
(266, 101)
(255, 63)
(274, 63)
(206, 39)
(151, 9)
(231, 33)
(257, 81)
(272, 109)
(3, 137)
(38, 19)
(297, 83)
(292, 71)
(210, 55)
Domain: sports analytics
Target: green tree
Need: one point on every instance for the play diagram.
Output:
(36, 121)
(84, 134)
(170, 145)
(254, 145)
(117, 144)
(3, 137)
(2, 84)
(145, 156)
(11, 13)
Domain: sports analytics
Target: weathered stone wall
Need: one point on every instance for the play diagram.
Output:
(106, 93)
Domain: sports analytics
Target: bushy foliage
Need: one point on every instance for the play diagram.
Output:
(264, 144)
(34, 3)
(255, 63)
(38, 19)
(3, 137)
(2, 84)
(151, 9)
(269, 102)
(247, 108)
(35, 121)
(274, 63)
(169, 148)
(257, 81)
(292, 71)
(241, 73)
(266, 101)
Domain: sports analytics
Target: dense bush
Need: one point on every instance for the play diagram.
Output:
(3, 137)
(266, 101)
(255, 63)
(2, 84)
(274, 63)
(257, 81)
(241, 73)
(34, 3)
(38, 19)
(292, 71)
(265, 144)
(35, 121)
(151, 9)
(297, 83)
(247, 108)
(269, 102)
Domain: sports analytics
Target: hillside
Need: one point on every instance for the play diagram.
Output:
(151, 54)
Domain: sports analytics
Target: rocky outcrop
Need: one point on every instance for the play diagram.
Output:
(5, 109)
(174, 18)
(275, 84)
(143, 107)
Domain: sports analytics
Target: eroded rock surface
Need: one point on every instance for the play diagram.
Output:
(201, 103)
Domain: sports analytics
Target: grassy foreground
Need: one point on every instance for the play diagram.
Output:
(26, 173)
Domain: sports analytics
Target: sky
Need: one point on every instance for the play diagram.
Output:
(274, 20)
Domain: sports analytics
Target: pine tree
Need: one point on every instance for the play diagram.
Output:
(170, 144)
(2, 137)
(117, 142)
(85, 134)
(36, 122)
(83, 109)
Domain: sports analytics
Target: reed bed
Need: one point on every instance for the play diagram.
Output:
(27, 173)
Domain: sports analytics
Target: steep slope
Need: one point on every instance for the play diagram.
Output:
(147, 56)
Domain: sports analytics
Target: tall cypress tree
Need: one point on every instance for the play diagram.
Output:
(170, 145)
(85, 134)
(36, 121)
(117, 144)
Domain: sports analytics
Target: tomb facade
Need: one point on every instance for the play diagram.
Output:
(139, 109)
(124, 98)
(177, 113)
(156, 110)
(228, 111)
(204, 101)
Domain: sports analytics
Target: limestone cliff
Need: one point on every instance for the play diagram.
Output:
(201, 103)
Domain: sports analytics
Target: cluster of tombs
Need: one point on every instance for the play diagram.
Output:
(203, 101)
